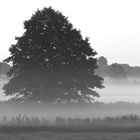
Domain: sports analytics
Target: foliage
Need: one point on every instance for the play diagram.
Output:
(52, 62)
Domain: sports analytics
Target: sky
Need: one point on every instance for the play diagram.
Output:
(113, 26)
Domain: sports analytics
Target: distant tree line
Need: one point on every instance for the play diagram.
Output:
(116, 70)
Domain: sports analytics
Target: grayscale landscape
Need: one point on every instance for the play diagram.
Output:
(70, 70)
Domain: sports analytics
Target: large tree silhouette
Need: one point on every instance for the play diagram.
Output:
(52, 62)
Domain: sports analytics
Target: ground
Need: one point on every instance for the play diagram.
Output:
(70, 136)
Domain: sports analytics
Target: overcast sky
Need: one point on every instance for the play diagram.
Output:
(113, 26)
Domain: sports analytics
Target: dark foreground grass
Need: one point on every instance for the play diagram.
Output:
(56, 129)
(70, 136)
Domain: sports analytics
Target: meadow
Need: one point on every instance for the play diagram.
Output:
(23, 127)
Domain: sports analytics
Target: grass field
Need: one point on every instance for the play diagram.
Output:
(125, 127)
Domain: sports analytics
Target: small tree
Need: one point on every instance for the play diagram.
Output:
(102, 61)
(102, 67)
(52, 62)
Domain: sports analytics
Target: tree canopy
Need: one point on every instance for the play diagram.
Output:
(52, 62)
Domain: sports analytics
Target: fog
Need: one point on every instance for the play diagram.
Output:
(119, 93)
(114, 91)
(117, 98)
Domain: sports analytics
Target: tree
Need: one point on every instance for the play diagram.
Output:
(52, 62)
(117, 71)
(103, 66)
(102, 61)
